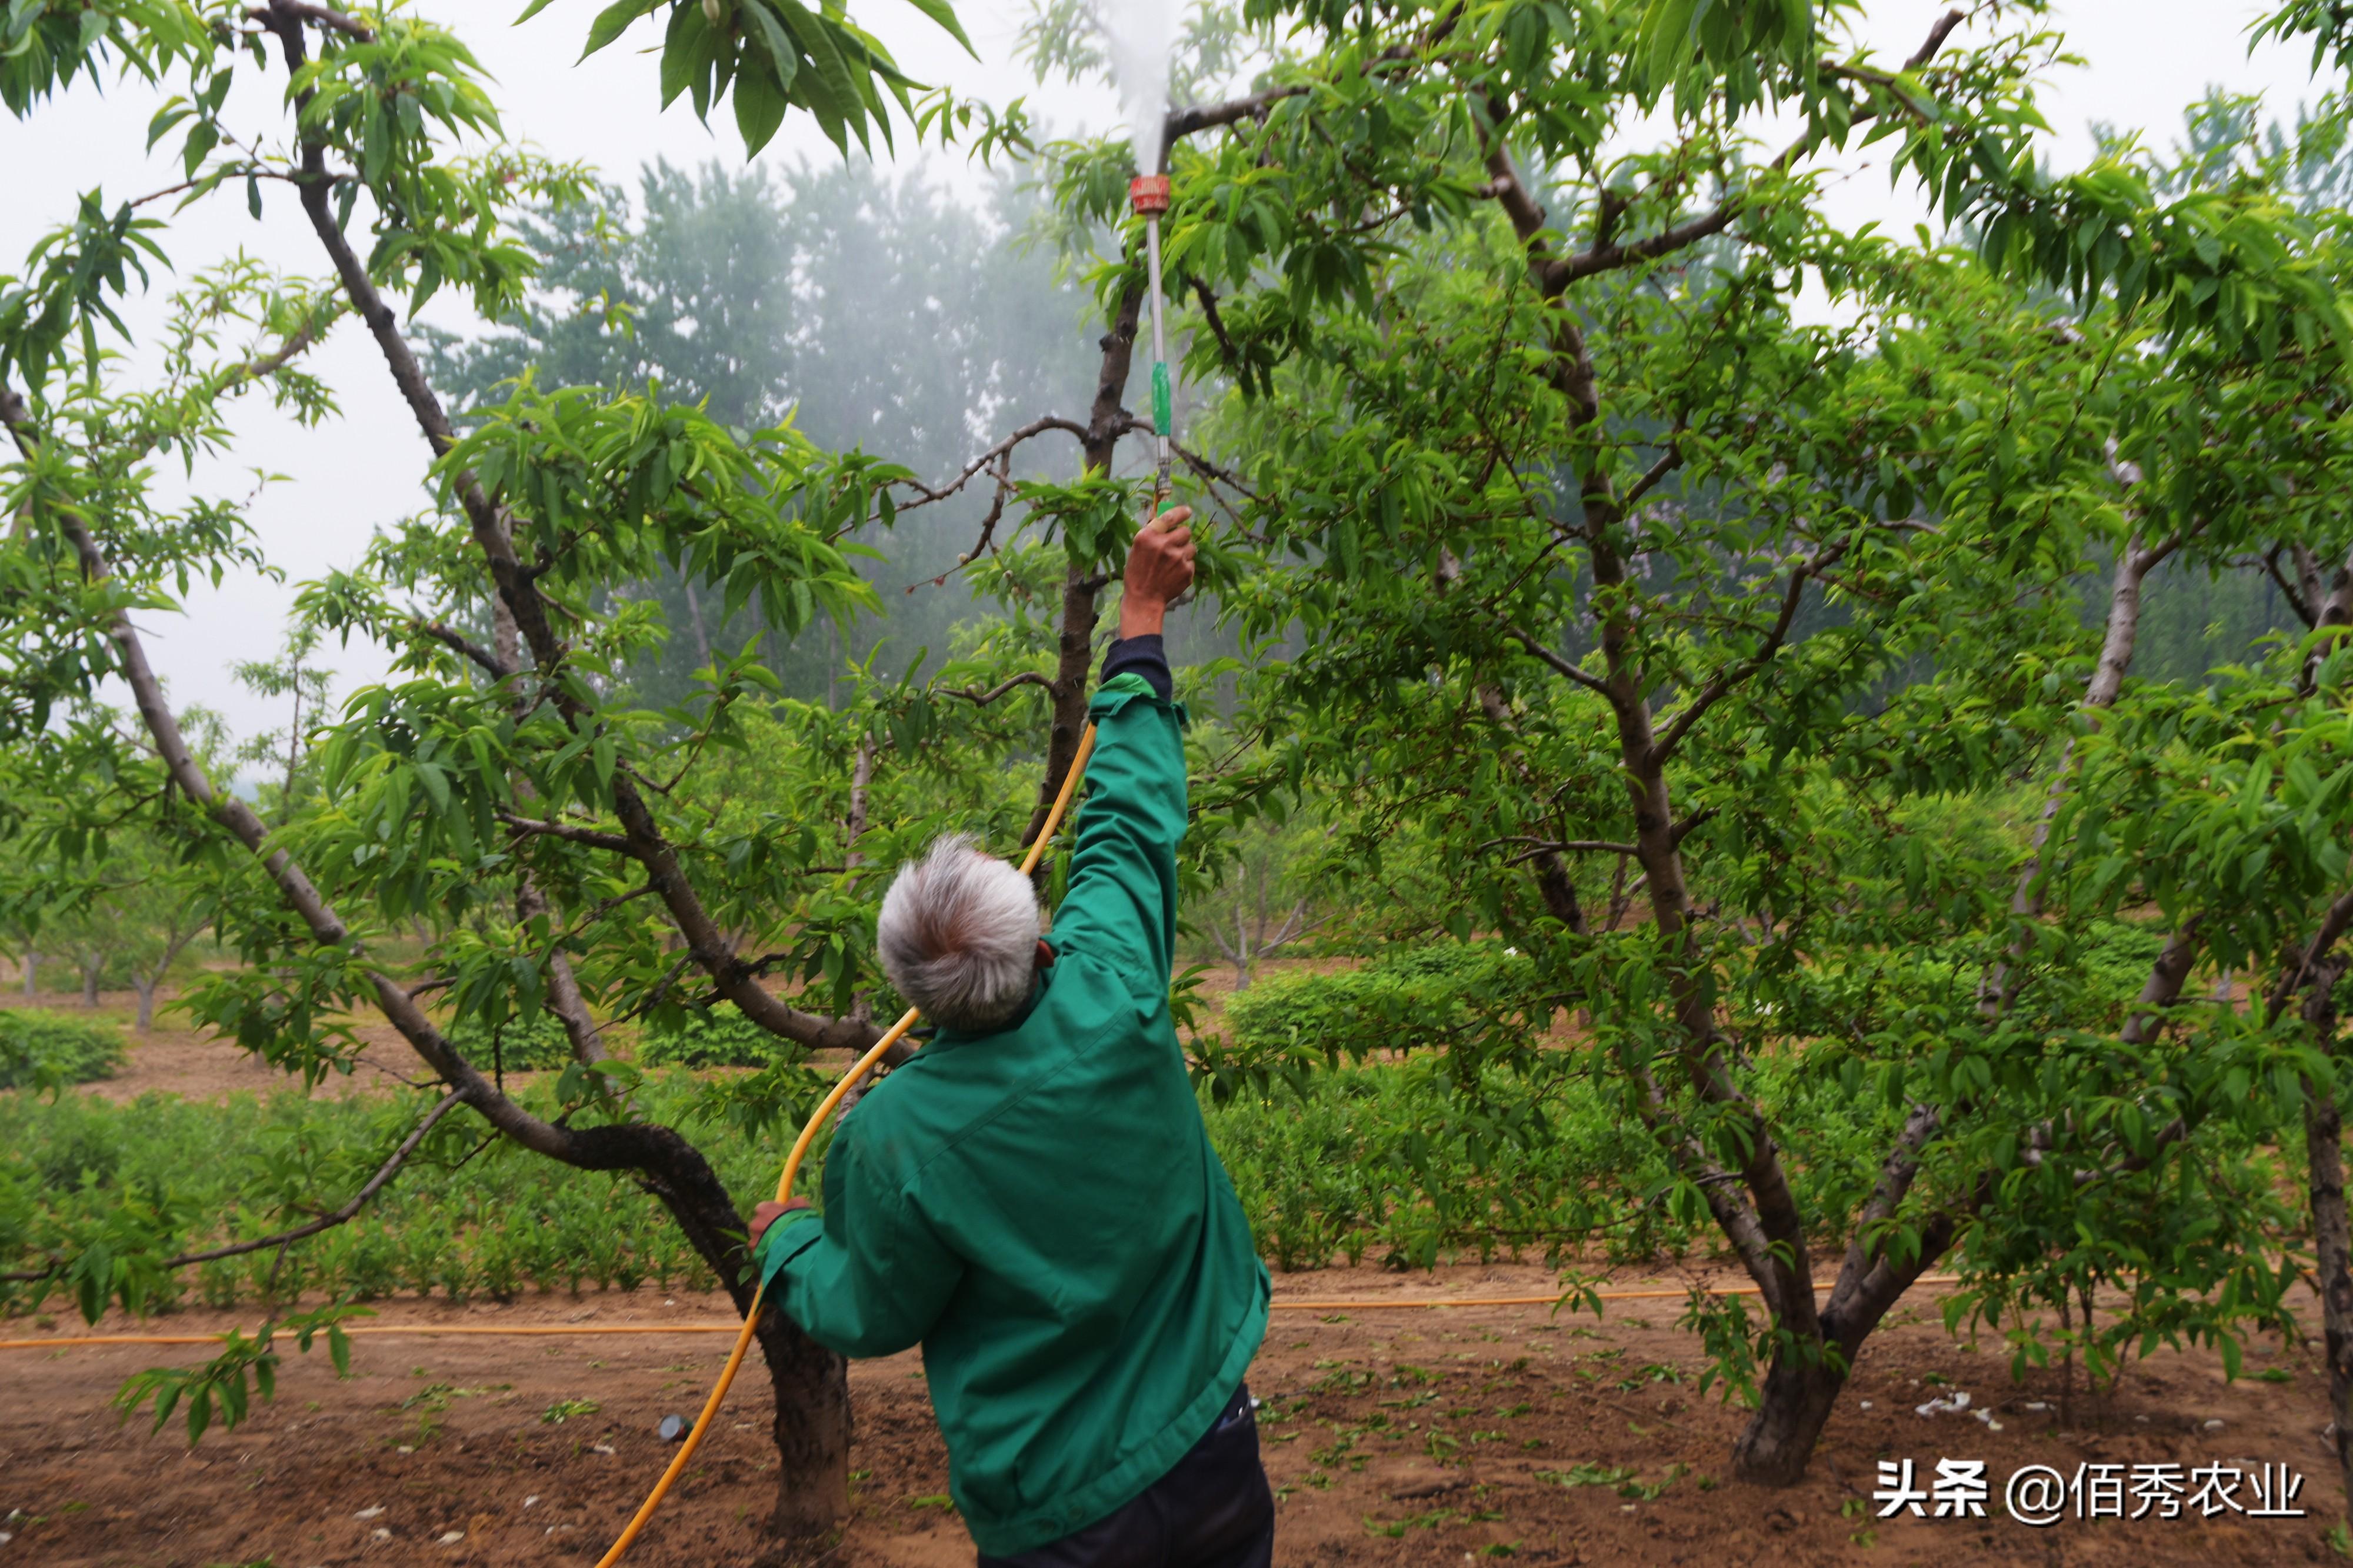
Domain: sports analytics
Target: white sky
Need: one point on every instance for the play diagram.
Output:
(2148, 60)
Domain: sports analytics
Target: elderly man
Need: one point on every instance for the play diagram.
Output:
(1033, 1197)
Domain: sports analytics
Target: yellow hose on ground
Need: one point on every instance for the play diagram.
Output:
(863, 1066)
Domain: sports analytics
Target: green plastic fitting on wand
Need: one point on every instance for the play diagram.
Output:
(1160, 397)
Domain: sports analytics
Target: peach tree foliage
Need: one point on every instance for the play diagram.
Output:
(1686, 624)
(565, 854)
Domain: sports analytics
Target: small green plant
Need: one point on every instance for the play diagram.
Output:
(430, 1402)
(563, 1410)
(716, 1037)
(537, 1044)
(1619, 1478)
(45, 1050)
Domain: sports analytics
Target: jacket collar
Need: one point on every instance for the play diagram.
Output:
(948, 1039)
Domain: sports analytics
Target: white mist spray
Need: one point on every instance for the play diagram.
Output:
(1137, 36)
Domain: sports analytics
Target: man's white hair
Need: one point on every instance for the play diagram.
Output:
(958, 935)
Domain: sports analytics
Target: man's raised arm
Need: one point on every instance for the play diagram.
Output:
(1121, 906)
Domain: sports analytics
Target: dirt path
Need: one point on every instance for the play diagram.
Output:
(1393, 1439)
(172, 1059)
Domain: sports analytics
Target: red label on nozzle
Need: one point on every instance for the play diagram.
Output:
(1149, 194)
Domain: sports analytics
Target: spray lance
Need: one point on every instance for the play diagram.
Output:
(1149, 194)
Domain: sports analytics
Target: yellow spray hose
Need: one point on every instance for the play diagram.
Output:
(863, 1066)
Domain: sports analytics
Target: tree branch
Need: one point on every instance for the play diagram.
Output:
(1935, 40)
(450, 638)
(270, 15)
(399, 1157)
(294, 885)
(1606, 255)
(1726, 680)
(2118, 642)
(1560, 845)
(983, 699)
(2295, 601)
(927, 494)
(1592, 683)
(2333, 926)
(1182, 122)
(1217, 323)
(593, 838)
(1669, 461)
(1107, 421)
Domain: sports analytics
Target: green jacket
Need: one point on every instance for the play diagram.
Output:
(1040, 1208)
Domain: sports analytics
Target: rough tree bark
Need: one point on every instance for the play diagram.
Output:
(2317, 973)
(2332, 1239)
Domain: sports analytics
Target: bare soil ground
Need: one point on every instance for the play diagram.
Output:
(1394, 1437)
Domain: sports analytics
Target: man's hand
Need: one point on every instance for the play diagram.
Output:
(1159, 567)
(768, 1214)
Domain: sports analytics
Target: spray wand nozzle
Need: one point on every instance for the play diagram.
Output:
(1149, 194)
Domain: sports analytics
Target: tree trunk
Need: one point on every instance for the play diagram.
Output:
(1781, 1437)
(1997, 991)
(1075, 655)
(811, 1430)
(32, 974)
(811, 1426)
(92, 969)
(146, 989)
(694, 619)
(2332, 1237)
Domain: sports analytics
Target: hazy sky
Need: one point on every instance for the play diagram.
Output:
(2148, 59)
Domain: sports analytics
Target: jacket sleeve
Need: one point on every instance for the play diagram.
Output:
(871, 1276)
(1120, 904)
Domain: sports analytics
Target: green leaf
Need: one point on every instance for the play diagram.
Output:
(814, 36)
(759, 106)
(610, 23)
(681, 51)
(939, 11)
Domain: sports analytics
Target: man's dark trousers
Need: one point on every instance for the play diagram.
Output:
(1213, 1510)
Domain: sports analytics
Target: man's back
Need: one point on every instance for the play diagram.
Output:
(1041, 1206)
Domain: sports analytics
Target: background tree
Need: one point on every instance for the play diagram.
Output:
(1605, 559)
(277, 755)
(156, 915)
